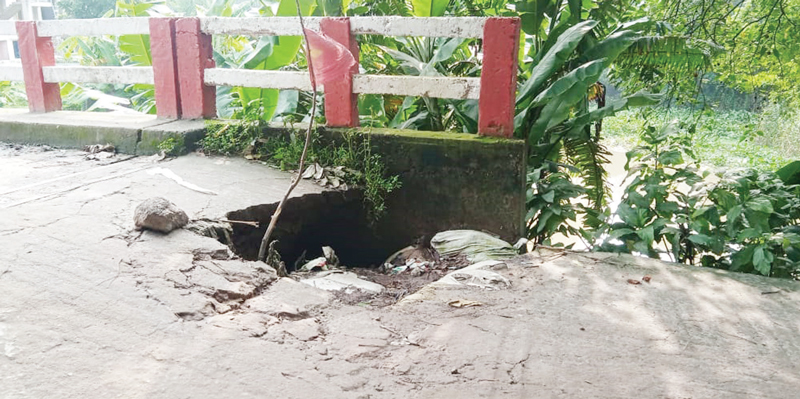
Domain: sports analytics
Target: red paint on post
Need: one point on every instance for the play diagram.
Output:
(194, 54)
(498, 77)
(165, 68)
(36, 52)
(341, 104)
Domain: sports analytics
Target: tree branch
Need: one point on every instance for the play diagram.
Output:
(262, 251)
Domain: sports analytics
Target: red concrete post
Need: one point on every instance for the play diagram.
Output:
(341, 104)
(498, 77)
(36, 52)
(194, 54)
(165, 68)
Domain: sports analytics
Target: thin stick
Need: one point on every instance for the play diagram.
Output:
(262, 250)
(247, 222)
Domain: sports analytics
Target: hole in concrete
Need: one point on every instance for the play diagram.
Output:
(307, 223)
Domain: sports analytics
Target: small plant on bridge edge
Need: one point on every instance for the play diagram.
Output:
(172, 146)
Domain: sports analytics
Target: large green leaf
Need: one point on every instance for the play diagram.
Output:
(429, 8)
(762, 260)
(257, 59)
(554, 59)
(640, 99)
(533, 15)
(562, 95)
(271, 53)
(266, 98)
(611, 47)
(137, 48)
(572, 87)
(287, 102)
(252, 96)
(286, 48)
(790, 174)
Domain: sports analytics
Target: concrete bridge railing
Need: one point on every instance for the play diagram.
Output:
(185, 77)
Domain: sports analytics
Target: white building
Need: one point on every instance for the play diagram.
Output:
(21, 10)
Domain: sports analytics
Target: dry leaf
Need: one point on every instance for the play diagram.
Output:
(463, 303)
(634, 282)
(646, 279)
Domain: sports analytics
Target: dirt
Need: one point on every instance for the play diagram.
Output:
(398, 285)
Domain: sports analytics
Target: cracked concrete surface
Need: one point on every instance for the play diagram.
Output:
(89, 308)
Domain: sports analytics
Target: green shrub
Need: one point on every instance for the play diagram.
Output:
(744, 221)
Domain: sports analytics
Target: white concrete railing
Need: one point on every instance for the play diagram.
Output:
(114, 74)
(184, 75)
(82, 74)
(94, 27)
(441, 87)
(464, 27)
(11, 73)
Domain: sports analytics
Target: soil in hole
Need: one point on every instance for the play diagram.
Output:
(336, 219)
(397, 286)
(332, 218)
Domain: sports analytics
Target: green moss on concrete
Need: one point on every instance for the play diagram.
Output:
(184, 134)
(424, 135)
(68, 136)
(450, 181)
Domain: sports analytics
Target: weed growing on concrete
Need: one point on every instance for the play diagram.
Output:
(366, 168)
(171, 146)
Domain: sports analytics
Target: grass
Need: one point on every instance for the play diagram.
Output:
(723, 139)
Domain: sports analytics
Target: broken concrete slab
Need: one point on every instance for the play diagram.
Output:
(287, 298)
(336, 280)
(302, 330)
(480, 278)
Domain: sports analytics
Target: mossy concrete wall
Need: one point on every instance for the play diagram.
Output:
(130, 134)
(450, 181)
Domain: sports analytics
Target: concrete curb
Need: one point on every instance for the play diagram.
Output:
(130, 134)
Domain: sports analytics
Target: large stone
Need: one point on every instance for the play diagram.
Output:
(160, 215)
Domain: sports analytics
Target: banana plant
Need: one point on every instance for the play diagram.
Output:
(264, 53)
(561, 99)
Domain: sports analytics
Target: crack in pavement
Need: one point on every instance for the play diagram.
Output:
(115, 192)
(21, 229)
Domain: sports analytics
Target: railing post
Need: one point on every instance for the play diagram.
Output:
(194, 54)
(498, 77)
(165, 68)
(341, 104)
(36, 52)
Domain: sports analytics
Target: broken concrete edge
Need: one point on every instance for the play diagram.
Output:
(186, 134)
(130, 134)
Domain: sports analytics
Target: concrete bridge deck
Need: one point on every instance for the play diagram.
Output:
(90, 310)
